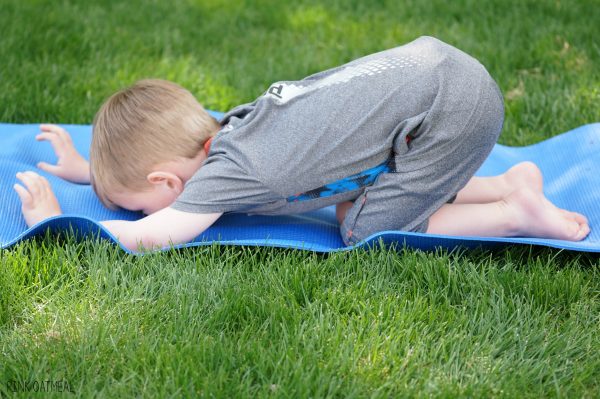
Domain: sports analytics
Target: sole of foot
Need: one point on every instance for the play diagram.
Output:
(535, 216)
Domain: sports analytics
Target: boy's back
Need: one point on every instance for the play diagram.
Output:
(324, 140)
(301, 135)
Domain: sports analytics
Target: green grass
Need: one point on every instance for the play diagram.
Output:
(245, 321)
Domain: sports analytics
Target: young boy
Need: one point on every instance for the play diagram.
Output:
(393, 138)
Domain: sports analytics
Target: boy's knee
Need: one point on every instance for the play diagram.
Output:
(492, 108)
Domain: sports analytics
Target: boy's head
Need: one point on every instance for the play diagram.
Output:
(150, 123)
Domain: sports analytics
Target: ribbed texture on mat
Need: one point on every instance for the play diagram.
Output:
(570, 163)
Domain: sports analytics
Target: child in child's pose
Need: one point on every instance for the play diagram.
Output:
(393, 138)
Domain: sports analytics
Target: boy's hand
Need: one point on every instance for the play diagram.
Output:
(38, 201)
(71, 165)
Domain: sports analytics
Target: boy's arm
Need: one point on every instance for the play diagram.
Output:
(161, 228)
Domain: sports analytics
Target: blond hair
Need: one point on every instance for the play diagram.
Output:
(151, 122)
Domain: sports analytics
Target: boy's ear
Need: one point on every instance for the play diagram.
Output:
(170, 180)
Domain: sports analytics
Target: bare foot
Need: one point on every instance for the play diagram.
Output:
(578, 217)
(525, 174)
(536, 216)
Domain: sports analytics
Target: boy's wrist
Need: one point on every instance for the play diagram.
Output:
(83, 173)
(86, 173)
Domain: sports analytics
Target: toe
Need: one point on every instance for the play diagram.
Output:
(574, 230)
(578, 217)
(583, 232)
(569, 215)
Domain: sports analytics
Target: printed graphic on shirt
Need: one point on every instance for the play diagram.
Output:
(364, 178)
(284, 92)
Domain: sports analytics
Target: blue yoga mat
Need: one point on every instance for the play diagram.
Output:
(570, 163)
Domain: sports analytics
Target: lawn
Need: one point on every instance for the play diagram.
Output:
(229, 321)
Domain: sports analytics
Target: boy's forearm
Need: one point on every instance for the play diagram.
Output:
(163, 228)
(129, 234)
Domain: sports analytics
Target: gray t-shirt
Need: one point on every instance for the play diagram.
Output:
(311, 143)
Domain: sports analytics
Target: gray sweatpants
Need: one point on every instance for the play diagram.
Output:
(450, 139)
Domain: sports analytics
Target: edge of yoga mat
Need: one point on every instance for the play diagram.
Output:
(84, 226)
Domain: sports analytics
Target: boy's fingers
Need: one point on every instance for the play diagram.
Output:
(37, 178)
(45, 183)
(44, 136)
(62, 133)
(46, 126)
(54, 169)
(31, 173)
(57, 141)
(30, 181)
(50, 127)
(44, 190)
(51, 137)
(24, 195)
